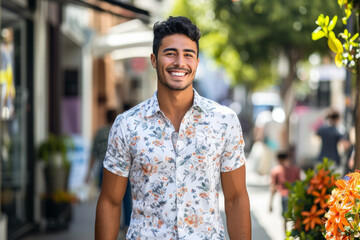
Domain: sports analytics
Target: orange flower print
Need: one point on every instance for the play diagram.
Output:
(157, 143)
(134, 141)
(160, 223)
(204, 195)
(149, 169)
(197, 117)
(190, 132)
(193, 220)
(181, 191)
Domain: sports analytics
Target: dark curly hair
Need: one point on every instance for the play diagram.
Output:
(175, 25)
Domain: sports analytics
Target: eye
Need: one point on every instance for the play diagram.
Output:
(170, 54)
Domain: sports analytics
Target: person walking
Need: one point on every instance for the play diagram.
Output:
(281, 174)
(331, 137)
(98, 148)
(177, 149)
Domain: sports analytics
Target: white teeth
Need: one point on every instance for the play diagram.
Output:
(178, 74)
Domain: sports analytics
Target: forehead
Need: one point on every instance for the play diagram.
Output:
(177, 41)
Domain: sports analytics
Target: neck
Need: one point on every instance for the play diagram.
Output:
(175, 104)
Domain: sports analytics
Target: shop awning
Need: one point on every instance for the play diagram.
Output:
(113, 7)
(127, 40)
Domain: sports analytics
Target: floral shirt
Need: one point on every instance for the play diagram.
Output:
(175, 177)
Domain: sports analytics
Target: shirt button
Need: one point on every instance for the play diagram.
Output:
(180, 145)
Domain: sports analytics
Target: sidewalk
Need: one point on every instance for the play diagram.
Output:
(82, 226)
(265, 225)
(259, 193)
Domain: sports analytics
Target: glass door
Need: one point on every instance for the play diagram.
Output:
(13, 99)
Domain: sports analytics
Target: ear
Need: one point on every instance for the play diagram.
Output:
(153, 60)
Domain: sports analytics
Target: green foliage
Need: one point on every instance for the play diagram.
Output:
(302, 198)
(247, 36)
(55, 145)
(347, 51)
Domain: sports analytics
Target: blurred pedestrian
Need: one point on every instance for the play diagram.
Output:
(281, 174)
(176, 148)
(331, 137)
(98, 149)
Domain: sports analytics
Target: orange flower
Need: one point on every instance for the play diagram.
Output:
(321, 197)
(332, 181)
(336, 218)
(348, 187)
(334, 197)
(342, 184)
(312, 217)
(319, 181)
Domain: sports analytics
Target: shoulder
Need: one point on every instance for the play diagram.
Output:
(137, 112)
(132, 117)
(277, 170)
(214, 109)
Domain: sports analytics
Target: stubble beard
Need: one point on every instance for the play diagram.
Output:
(164, 83)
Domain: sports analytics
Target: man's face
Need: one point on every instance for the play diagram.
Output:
(176, 62)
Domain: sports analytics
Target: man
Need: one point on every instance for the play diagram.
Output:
(176, 148)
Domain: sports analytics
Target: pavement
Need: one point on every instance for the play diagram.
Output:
(265, 225)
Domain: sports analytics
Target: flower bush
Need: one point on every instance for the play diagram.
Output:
(342, 218)
(307, 203)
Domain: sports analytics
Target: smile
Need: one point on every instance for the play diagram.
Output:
(178, 74)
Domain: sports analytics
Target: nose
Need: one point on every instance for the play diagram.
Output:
(179, 60)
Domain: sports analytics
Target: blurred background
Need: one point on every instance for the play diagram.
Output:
(65, 63)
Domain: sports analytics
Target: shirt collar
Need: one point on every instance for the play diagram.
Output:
(199, 103)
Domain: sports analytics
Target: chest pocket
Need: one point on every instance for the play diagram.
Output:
(207, 143)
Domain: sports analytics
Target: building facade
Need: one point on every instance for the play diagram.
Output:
(51, 82)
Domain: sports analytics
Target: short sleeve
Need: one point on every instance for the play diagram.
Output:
(233, 155)
(118, 159)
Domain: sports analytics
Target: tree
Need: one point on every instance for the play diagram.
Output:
(248, 36)
(347, 52)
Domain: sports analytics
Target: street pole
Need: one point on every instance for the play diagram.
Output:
(0, 110)
(3, 218)
(349, 110)
(357, 110)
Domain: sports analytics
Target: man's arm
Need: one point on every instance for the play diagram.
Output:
(237, 206)
(108, 210)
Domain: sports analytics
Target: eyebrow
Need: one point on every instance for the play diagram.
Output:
(175, 50)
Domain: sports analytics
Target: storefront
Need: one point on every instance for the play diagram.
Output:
(16, 153)
(38, 40)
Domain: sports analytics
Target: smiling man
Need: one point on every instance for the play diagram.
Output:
(177, 149)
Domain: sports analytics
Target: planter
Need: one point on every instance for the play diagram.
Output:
(58, 215)
(56, 178)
